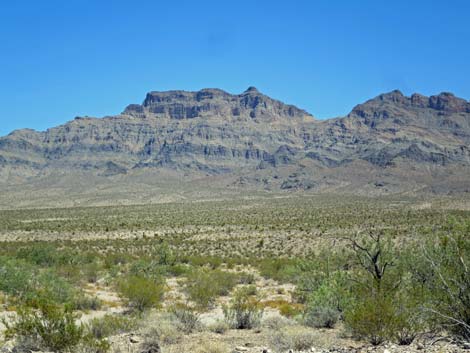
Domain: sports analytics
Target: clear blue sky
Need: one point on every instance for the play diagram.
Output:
(60, 59)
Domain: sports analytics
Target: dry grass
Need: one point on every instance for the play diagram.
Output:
(284, 307)
(209, 347)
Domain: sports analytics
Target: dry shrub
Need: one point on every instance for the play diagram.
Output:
(295, 337)
(244, 311)
(164, 329)
(219, 327)
(277, 322)
(285, 308)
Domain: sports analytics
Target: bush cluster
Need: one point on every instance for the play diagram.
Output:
(244, 311)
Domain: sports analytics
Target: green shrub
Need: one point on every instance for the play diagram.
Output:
(290, 310)
(325, 304)
(163, 254)
(141, 293)
(116, 259)
(223, 281)
(30, 285)
(374, 312)
(446, 269)
(372, 317)
(91, 272)
(201, 292)
(386, 297)
(251, 290)
(187, 319)
(246, 278)
(441, 272)
(200, 261)
(45, 254)
(147, 268)
(41, 254)
(331, 292)
(282, 270)
(178, 270)
(204, 286)
(50, 327)
(71, 273)
(285, 308)
(54, 288)
(410, 320)
(244, 311)
(85, 302)
(16, 277)
(110, 325)
(309, 279)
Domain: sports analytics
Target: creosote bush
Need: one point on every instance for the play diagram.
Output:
(448, 280)
(372, 318)
(110, 325)
(204, 286)
(140, 292)
(51, 327)
(244, 311)
(186, 317)
(325, 304)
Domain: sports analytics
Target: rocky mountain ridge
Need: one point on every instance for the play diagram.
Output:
(249, 105)
(391, 143)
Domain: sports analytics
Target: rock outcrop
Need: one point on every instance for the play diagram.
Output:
(251, 140)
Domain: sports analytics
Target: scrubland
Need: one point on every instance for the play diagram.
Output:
(302, 273)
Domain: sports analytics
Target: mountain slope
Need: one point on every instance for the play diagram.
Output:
(392, 127)
(214, 140)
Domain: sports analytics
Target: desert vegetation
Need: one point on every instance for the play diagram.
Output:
(277, 274)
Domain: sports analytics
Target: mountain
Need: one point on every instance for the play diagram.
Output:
(180, 144)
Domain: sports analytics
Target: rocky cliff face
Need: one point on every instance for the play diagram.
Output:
(252, 140)
(209, 130)
(434, 129)
(250, 105)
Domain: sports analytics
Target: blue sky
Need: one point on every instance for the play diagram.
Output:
(60, 59)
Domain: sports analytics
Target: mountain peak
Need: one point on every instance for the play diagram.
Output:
(251, 89)
(185, 135)
(445, 102)
(448, 102)
(213, 103)
(394, 96)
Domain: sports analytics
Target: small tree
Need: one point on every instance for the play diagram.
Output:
(373, 313)
(375, 255)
